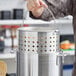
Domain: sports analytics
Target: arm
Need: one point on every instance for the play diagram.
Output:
(59, 8)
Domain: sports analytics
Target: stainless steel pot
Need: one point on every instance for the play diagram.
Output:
(38, 53)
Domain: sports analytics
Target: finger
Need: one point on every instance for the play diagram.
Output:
(31, 3)
(37, 3)
(30, 7)
(43, 4)
(34, 3)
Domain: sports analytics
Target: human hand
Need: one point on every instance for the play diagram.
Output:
(36, 7)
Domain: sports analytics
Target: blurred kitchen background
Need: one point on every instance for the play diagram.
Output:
(14, 11)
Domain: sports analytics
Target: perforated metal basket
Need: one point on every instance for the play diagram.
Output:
(37, 51)
(41, 40)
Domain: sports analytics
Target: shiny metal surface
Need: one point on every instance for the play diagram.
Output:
(38, 52)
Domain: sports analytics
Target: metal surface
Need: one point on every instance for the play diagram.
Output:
(40, 40)
(38, 52)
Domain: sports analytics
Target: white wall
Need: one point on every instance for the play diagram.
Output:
(66, 29)
(11, 4)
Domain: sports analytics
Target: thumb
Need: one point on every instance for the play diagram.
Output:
(43, 4)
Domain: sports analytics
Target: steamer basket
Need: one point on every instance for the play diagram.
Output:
(41, 40)
(38, 48)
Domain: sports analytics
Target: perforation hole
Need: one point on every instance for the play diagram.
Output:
(53, 49)
(50, 37)
(53, 45)
(37, 41)
(53, 37)
(45, 37)
(33, 42)
(28, 49)
(25, 41)
(53, 41)
(50, 46)
(50, 41)
(28, 41)
(37, 46)
(25, 45)
(25, 37)
(45, 46)
(21, 49)
(56, 45)
(33, 50)
(45, 41)
(40, 50)
(28, 45)
(33, 46)
(28, 37)
(45, 50)
(41, 46)
(50, 50)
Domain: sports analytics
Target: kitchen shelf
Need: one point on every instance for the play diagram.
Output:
(8, 54)
(31, 21)
(13, 55)
(69, 52)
